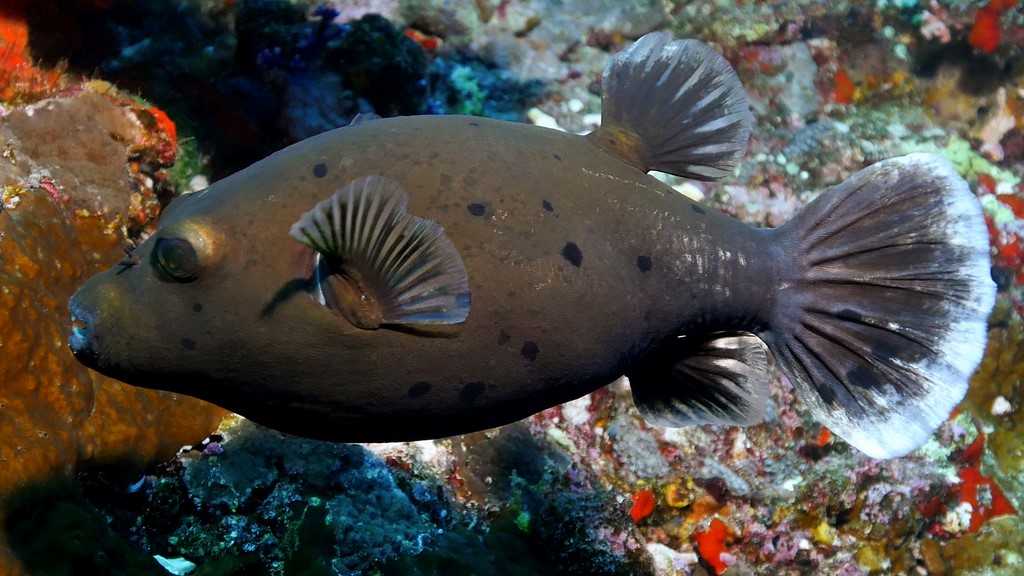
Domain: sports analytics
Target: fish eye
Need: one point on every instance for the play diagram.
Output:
(177, 258)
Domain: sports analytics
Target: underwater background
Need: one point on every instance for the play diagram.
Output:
(111, 108)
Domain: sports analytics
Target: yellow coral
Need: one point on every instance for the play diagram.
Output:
(678, 494)
(824, 533)
(56, 417)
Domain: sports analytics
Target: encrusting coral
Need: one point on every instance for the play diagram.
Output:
(66, 196)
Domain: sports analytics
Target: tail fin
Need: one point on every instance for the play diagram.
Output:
(675, 106)
(884, 289)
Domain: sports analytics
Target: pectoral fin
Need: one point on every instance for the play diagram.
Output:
(721, 379)
(379, 265)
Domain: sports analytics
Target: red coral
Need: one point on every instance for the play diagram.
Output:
(19, 80)
(844, 88)
(1006, 238)
(1014, 203)
(988, 182)
(430, 44)
(1008, 247)
(643, 505)
(13, 38)
(971, 479)
(711, 545)
(168, 145)
(985, 35)
(824, 437)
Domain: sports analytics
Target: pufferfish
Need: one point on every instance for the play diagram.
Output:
(421, 277)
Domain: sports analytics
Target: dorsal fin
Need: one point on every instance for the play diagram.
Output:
(719, 378)
(380, 265)
(675, 106)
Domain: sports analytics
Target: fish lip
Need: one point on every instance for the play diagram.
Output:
(80, 339)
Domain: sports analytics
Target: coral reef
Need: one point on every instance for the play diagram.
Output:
(996, 398)
(243, 79)
(302, 507)
(54, 531)
(79, 165)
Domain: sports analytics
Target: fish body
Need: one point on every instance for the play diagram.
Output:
(421, 277)
(577, 265)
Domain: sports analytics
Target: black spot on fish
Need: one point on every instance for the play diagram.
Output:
(697, 209)
(197, 307)
(547, 206)
(471, 391)
(474, 124)
(476, 209)
(188, 344)
(530, 350)
(320, 170)
(573, 254)
(643, 263)
(557, 157)
(419, 389)
(503, 337)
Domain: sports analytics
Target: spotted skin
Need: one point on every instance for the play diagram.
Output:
(572, 254)
(568, 283)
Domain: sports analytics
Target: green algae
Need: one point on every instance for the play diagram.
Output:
(968, 163)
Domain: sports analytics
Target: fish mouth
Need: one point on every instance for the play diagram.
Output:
(81, 338)
(79, 334)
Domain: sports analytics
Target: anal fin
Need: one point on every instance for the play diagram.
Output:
(719, 378)
(379, 265)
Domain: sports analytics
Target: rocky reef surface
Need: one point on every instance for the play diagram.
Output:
(80, 168)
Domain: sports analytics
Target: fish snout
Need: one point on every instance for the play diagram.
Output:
(83, 337)
(81, 340)
(96, 317)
